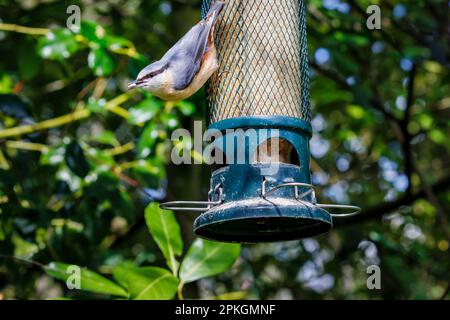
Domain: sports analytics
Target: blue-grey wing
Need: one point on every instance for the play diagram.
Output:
(185, 57)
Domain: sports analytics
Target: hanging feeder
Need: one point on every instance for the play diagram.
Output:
(262, 84)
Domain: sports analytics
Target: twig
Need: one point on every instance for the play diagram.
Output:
(406, 145)
(47, 124)
(4, 164)
(180, 291)
(120, 149)
(23, 145)
(22, 29)
(79, 114)
(23, 260)
(378, 211)
(446, 292)
(431, 196)
(114, 106)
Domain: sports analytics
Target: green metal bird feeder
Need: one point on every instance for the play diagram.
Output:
(262, 85)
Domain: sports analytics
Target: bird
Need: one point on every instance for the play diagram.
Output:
(274, 150)
(185, 67)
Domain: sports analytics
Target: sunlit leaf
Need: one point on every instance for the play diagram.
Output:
(351, 39)
(148, 172)
(438, 136)
(144, 111)
(53, 156)
(355, 111)
(147, 140)
(186, 108)
(165, 230)
(147, 283)
(94, 33)
(205, 258)
(58, 45)
(115, 42)
(89, 280)
(96, 106)
(100, 62)
(106, 137)
(170, 120)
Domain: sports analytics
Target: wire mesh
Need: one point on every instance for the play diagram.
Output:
(263, 60)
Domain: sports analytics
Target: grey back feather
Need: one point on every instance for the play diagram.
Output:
(185, 57)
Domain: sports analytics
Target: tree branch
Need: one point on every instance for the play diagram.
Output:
(23, 29)
(406, 145)
(374, 101)
(46, 124)
(378, 211)
(386, 36)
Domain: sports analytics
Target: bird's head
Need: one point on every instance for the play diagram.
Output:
(153, 77)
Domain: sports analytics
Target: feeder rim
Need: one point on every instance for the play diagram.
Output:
(264, 122)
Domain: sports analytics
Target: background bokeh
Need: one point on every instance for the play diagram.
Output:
(80, 158)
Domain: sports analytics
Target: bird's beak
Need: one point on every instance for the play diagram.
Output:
(132, 85)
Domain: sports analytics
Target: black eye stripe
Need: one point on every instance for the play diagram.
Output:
(154, 73)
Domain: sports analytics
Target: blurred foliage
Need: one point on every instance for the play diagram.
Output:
(81, 158)
(203, 259)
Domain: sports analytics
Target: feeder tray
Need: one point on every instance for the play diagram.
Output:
(268, 212)
(262, 85)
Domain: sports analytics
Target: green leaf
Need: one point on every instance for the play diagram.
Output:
(93, 32)
(53, 156)
(95, 105)
(206, 258)
(165, 230)
(426, 121)
(106, 137)
(144, 111)
(170, 120)
(100, 62)
(29, 61)
(147, 140)
(115, 42)
(355, 111)
(186, 108)
(351, 39)
(437, 136)
(89, 280)
(6, 84)
(73, 181)
(147, 283)
(23, 248)
(58, 45)
(148, 172)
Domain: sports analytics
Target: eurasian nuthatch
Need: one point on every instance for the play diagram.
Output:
(185, 68)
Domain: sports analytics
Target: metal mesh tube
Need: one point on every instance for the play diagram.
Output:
(263, 60)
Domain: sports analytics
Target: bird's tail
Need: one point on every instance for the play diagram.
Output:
(214, 11)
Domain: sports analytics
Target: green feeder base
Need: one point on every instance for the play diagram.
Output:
(263, 220)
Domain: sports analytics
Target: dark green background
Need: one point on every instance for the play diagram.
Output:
(381, 108)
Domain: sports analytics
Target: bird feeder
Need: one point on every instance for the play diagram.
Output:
(262, 85)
